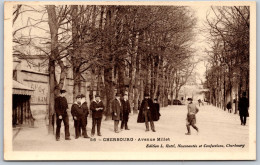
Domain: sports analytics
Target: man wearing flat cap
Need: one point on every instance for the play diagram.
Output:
(147, 112)
(97, 108)
(191, 116)
(116, 111)
(61, 106)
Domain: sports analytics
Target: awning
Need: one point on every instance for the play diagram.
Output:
(20, 89)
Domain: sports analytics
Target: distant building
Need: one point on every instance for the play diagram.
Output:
(32, 72)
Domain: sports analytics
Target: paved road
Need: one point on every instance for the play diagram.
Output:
(217, 130)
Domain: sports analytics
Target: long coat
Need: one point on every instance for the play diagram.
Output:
(147, 105)
(97, 113)
(116, 108)
(157, 108)
(243, 105)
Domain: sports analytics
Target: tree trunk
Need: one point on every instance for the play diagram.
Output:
(51, 96)
(109, 90)
(52, 21)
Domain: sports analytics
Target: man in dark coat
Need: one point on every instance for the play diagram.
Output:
(243, 105)
(61, 106)
(84, 106)
(116, 111)
(78, 114)
(97, 108)
(126, 111)
(157, 110)
(146, 113)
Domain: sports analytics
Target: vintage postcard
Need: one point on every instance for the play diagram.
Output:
(130, 80)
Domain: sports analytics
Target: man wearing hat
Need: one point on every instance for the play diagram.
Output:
(126, 111)
(97, 108)
(191, 116)
(61, 106)
(84, 106)
(116, 111)
(146, 112)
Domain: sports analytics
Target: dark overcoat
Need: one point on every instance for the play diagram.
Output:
(85, 109)
(157, 108)
(116, 108)
(76, 110)
(243, 105)
(61, 106)
(147, 105)
(96, 114)
(126, 106)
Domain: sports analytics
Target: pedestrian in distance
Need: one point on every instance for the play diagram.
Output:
(79, 115)
(243, 105)
(147, 113)
(191, 117)
(229, 107)
(116, 111)
(126, 110)
(97, 108)
(61, 107)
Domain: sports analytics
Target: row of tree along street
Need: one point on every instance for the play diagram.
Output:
(227, 75)
(149, 47)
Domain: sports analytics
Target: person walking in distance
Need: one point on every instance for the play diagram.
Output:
(61, 106)
(146, 113)
(191, 116)
(97, 108)
(116, 112)
(243, 105)
(126, 111)
(84, 106)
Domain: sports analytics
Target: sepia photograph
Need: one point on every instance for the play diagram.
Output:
(130, 80)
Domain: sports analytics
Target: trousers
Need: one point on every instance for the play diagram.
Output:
(96, 122)
(80, 124)
(148, 117)
(65, 120)
(243, 119)
(124, 121)
(116, 122)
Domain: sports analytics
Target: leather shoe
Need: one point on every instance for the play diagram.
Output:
(68, 138)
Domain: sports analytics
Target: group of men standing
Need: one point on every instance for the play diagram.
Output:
(120, 108)
(79, 112)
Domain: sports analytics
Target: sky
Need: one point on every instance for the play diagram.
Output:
(200, 43)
